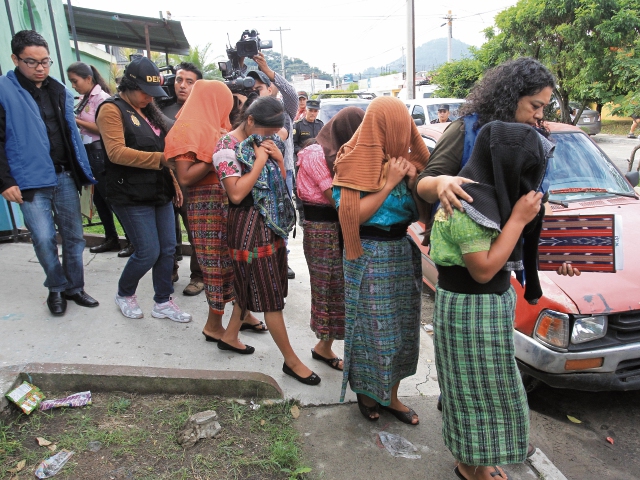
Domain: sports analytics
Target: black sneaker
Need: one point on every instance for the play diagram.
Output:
(290, 273)
(631, 135)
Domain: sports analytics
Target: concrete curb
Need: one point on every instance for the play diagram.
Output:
(144, 380)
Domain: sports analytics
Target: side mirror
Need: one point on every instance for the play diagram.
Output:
(633, 177)
(418, 121)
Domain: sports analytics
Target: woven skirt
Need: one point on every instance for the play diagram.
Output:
(322, 251)
(259, 259)
(207, 212)
(484, 405)
(382, 325)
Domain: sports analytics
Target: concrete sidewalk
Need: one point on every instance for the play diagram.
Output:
(339, 442)
(102, 336)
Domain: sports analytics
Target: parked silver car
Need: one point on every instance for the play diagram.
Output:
(589, 121)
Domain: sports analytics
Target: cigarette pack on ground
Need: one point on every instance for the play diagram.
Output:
(26, 396)
(76, 400)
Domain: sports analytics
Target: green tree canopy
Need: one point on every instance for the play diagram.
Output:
(589, 45)
(199, 56)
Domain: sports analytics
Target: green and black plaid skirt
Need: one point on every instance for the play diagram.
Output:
(485, 411)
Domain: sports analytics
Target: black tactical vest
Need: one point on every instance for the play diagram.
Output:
(137, 186)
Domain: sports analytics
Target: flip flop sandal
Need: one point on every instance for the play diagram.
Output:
(531, 450)
(367, 411)
(405, 417)
(256, 327)
(495, 473)
(332, 362)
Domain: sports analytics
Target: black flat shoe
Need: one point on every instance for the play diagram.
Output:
(248, 350)
(256, 327)
(366, 411)
(332, 362)
(404, 417)
(312, 379)
(109, 245)
(83, 299)
(209, 338)
(57, 303)
(126, 251)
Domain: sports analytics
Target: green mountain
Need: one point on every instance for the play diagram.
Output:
(429, 56)
(292, 66)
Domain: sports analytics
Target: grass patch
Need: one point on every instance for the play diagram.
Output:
(99, 229)
(616, 127)
(136, 436)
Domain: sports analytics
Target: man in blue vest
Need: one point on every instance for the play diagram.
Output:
(43, 166)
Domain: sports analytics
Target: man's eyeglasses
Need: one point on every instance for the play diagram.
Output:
(31, 63)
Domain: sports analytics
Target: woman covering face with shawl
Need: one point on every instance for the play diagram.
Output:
(475, 252)
(322, 240)
(375, 172)
(201, 122)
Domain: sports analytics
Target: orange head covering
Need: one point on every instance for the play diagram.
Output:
(201, 121)
(387, 131)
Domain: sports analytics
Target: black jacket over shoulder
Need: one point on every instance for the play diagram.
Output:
(131, 185)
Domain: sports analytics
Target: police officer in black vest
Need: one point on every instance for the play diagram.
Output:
(308, 127)
(141, 187)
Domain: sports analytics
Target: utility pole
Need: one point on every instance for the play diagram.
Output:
(335, 80)
(449, 19)
(281, 48)
(410, 79)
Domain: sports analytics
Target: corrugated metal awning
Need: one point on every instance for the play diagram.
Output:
(122, 30)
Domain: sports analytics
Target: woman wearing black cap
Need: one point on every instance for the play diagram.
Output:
(140, 186)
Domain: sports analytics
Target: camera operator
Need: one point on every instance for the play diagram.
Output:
(265, 81)
(187, 74)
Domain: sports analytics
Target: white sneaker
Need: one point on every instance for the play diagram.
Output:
(129, 306)
(170, 310)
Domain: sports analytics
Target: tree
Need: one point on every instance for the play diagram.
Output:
(455, 79)
(585, 43)
(199, 56)
(293, 66)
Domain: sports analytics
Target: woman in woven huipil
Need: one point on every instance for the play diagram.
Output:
(322, 241)
(374, 175)
(192, 142)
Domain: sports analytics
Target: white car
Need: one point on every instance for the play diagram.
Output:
(425, 110)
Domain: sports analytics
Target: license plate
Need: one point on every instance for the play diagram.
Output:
(586, 120)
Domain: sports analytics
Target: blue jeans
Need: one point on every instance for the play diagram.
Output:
(57, 206)
(151, 230)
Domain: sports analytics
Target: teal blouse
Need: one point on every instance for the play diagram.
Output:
(452, 237)
(398, 207)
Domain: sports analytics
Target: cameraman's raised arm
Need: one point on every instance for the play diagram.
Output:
(289, 94)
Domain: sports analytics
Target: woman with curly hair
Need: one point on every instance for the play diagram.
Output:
(485, 412)
(141, 187)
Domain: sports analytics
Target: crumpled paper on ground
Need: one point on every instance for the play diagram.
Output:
(398, 446)
(52, 465)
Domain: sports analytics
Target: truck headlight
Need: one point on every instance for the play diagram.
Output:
(552, 329)
(586, 329)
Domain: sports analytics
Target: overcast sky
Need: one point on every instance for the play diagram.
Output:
(355, 34)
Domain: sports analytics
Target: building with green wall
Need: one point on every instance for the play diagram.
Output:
(47, 17)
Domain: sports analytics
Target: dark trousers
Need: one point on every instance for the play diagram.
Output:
(196, 272)
(96, 161)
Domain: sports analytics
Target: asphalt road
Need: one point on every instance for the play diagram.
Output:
(618, 148)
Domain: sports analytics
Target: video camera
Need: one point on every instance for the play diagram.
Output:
(249, 45)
